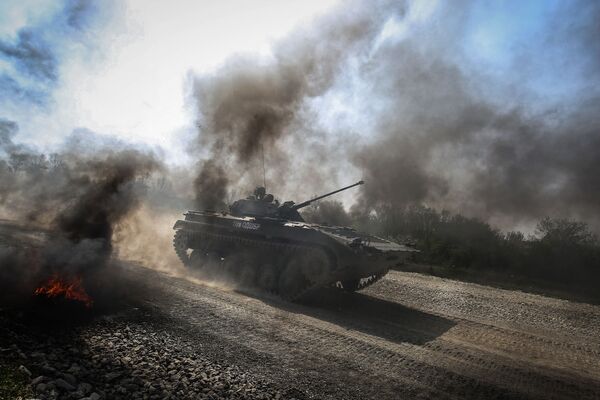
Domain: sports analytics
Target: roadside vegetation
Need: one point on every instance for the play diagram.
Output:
(14, 384)
(562, 255)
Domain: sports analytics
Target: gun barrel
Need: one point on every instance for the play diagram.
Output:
(305, 203)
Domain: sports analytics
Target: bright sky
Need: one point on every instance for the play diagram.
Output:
(127, 75)
(123, 69)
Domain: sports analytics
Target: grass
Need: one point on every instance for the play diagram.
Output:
(14, 385)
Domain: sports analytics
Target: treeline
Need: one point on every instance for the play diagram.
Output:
(561, 251)
(29, 164)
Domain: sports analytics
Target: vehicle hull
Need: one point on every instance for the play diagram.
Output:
(333, 256)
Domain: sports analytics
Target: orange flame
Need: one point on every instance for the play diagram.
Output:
(71, 289)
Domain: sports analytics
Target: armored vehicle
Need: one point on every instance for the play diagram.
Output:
(280, 252)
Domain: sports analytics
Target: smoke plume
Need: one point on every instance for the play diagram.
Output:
(437, 128)
(251, 105)
(328, 212)
(78, 200)
(449, 138)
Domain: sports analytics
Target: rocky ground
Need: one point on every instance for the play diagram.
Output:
(117, 357)
(408, 336)
(151, 335)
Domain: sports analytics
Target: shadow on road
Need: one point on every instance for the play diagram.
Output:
(366, 314)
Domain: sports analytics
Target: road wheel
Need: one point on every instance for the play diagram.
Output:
(292, 281)
(349, 285)
(181, 245)
(199, 259)
(267, 278)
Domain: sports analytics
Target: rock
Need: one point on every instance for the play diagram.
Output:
(84, 388)
(74, 369)
(111, 376)
(93, 396)
(38, 354)
(18, 351)
(69, 378)
(52, 394)
(24, 370)
(40, 388)
(132, 387)
(62, 384)
(39, 379)
(76, 395)
(48, 369)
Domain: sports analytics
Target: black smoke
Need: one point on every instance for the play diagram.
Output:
(442, 130)
(448, 137)
(253, 105)
(327, 212)
(75, 200)
(210, 186)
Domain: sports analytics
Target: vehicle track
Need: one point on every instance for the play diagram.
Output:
(409, 336)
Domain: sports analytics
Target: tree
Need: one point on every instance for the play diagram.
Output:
(565, 232)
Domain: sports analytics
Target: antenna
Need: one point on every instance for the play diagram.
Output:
(262, 149)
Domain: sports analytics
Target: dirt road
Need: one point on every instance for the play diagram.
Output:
(409, 336)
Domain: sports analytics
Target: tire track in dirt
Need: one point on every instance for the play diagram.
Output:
(557, 319)
(353, 347)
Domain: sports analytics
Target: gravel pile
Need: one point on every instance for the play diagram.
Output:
(120, 359)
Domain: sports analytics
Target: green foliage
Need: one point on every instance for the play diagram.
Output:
(13, 384)
(563, 232)
(565, 250)
(562, 251)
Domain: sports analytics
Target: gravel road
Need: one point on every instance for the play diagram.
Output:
(408, 336)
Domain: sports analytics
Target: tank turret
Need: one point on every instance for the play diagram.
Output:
(262, 204)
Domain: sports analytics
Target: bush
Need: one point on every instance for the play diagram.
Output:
(562, 251)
